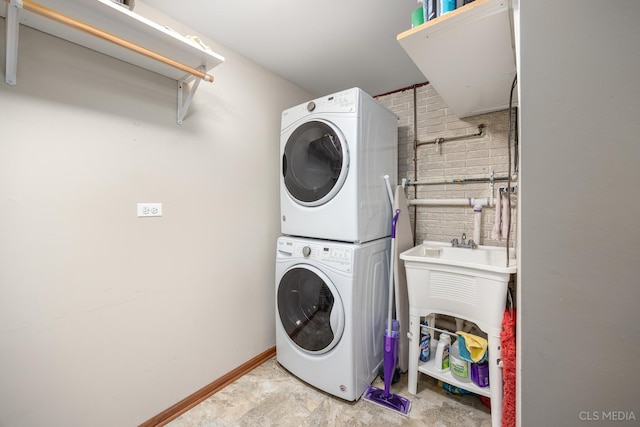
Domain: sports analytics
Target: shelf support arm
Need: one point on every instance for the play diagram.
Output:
(187, 86)
(12, 27)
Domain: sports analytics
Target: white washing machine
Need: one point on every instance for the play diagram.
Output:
(335, 152)
(331, 307)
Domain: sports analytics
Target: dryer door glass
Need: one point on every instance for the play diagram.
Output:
(310, 309)
(314, 163)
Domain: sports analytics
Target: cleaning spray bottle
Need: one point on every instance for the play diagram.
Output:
(425, 345)
(442, 353)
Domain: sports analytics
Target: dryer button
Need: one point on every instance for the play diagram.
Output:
(311, 106)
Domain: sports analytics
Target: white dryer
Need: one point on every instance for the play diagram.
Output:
(331, 307)
(335, 152)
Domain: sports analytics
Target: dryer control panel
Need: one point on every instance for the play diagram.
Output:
(340, 102)
(344, 101)
(340, 258)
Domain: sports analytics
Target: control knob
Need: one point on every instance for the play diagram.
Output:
(306, 251)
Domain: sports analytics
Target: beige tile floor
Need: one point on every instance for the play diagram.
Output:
(271, 396)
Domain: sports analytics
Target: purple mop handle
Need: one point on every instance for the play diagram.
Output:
(394, 223)
(391, 256)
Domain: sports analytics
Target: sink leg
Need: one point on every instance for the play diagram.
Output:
(414, 350)
(495, 380)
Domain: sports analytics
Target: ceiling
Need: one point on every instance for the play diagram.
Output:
(323, 46)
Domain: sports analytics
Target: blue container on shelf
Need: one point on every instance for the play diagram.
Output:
(447, 6)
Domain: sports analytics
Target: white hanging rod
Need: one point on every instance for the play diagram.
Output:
(63, 19)
(453, 202)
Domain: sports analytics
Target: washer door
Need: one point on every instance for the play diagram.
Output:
(310, 309)
(315, 163)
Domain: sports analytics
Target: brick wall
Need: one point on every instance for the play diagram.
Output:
(473, 157)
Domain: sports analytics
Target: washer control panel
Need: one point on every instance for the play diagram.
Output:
(337, 257)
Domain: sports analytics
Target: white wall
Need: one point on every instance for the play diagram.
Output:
(107, 319)
(580, 103)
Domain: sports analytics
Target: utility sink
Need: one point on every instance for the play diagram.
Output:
(461, 282)
(469, 284)
(482, 258)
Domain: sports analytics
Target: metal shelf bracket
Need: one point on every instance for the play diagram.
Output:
(13, 26)
(187, 86)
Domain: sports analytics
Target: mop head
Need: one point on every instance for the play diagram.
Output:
(385, 398)
(508, 344)
(391, 401)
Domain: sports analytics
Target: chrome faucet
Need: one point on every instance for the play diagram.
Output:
(464, 243)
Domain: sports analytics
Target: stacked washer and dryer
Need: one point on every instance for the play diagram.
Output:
(332, 262)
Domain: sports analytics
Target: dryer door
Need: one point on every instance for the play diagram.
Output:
(315, 163)
(310, 309)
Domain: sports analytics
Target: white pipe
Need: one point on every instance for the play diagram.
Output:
(477, 209)
(477, 221)
(452, 202)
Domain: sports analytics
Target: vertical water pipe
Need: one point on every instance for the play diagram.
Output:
(477, 222)
(508, 225)
(415, 160)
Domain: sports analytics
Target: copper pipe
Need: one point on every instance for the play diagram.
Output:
(403, 89)
(415, 161)
(458, 181)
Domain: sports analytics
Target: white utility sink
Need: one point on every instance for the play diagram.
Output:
(460, 282)
(486, 258)
(465, 283)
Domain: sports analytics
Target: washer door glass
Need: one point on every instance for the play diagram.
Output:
(314, 163)
(310, 309)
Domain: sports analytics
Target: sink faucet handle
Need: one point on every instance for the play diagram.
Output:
(454, 242)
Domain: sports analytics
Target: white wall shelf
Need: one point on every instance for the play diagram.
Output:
(467, 55)
(123, 23)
